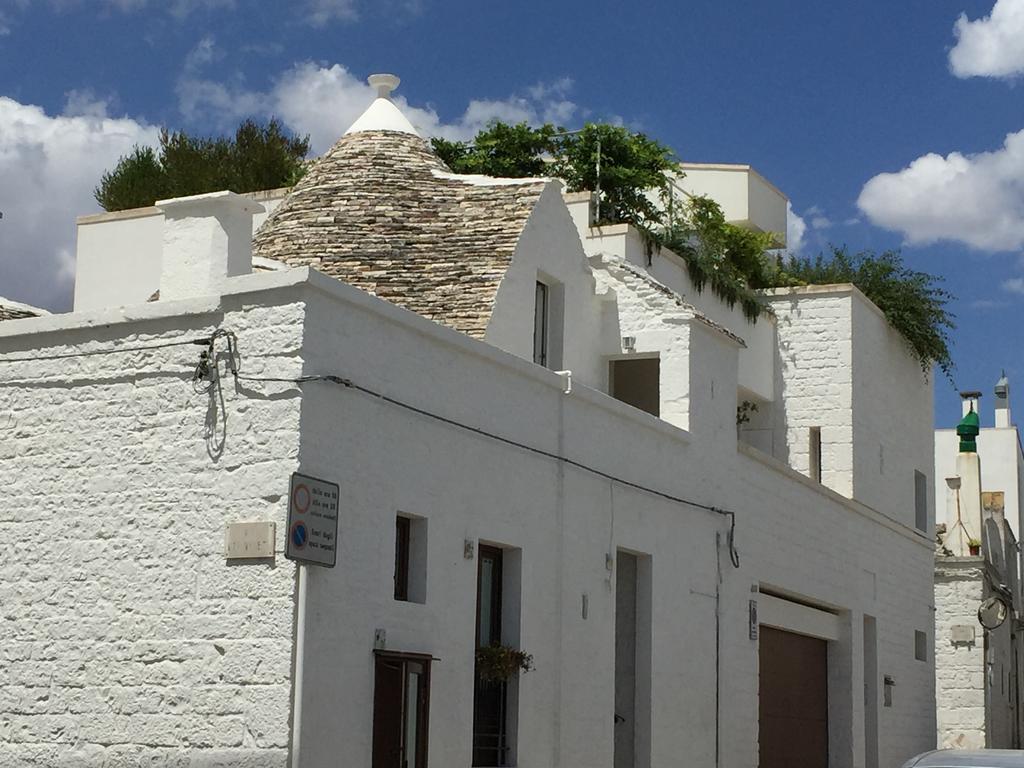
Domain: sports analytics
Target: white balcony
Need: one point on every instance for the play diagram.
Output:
(747, 198)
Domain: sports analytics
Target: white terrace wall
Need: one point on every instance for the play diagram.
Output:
(756, 360)
(893, 432)
(814, 381)
(128, 245)
(127, 639)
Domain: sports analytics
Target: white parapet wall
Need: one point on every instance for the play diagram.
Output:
(118, 255)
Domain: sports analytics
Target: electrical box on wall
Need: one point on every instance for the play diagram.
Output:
(245, 541)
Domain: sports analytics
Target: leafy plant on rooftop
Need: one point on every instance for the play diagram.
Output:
(502, 150)
(631, 163)
(736, 264)
(259, 156)
(913, 302)
(730, 260)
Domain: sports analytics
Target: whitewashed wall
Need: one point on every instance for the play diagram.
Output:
(167, 689)
(118, 255)
(757, 359)
(893, 433)
(127, 639)
(549, 250)
(814, 380)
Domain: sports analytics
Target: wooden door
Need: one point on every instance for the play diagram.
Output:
(793, 697)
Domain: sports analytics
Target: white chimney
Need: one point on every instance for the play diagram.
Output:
(969, 402)
(207, 239)
(1003, 418)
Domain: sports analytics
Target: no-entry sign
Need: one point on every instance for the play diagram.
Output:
(312, 521)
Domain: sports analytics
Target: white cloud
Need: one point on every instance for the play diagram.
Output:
(321, 12)
(1014, 285)
(49, 166)
(324, 100)
(974, 199)
(796, 228)
(992, 46)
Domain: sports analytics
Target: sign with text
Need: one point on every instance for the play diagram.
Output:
(312, 521)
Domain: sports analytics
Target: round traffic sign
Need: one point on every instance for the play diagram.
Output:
(299, 535)
(300, 498)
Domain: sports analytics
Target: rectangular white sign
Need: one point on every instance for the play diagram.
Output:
(312, 521)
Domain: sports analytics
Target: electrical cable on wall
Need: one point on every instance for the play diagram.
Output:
(234, 365)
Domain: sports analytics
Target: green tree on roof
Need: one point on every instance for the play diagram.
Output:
(259, 156)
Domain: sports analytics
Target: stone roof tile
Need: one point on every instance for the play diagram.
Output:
(381, 211)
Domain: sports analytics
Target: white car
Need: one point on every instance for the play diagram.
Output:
(968, 758)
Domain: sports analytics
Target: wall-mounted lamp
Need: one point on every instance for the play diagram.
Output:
(629, 343)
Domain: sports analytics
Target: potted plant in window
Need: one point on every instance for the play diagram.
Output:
(497, 663)
(974, 546)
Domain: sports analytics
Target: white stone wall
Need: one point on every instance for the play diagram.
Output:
(549, 250)
(129, 244)
(146, 620)
(127, 638)
(960, 666)
(892, 416)
(757, 358)
(814, 381)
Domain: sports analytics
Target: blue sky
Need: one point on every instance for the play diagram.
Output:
(886, 123)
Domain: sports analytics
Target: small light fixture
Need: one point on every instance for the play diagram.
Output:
(629, 343)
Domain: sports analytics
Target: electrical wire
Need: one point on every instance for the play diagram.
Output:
(235, 370)
(205, 342)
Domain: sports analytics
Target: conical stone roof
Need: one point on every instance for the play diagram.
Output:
(381, 211)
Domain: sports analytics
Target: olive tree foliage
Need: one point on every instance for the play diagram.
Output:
(259, 156)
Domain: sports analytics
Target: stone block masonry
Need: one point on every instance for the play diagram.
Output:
(127, 638)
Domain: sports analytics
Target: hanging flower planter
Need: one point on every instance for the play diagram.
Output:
(974, 546)
(498, 663)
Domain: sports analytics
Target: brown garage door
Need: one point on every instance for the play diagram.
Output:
(793, 700)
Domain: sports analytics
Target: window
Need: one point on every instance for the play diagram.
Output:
(636, 381)
(541, 321)
(920, 500)
(490, 732)
(815, 454)
(401, 707)
(410, 559)
(920, 645)
(401, 558)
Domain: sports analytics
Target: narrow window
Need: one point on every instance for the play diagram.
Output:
(401, 704)
(541, 320)
(815, 454)
(402, 525)
(920, 645)
(490, 733)
(920, 500)
(410, 558)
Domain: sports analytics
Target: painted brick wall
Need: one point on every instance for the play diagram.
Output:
(127, 639)
(814, 384)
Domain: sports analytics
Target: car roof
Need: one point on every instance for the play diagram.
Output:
(967, 758)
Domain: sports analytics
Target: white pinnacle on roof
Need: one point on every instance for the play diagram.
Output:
(382, 114)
